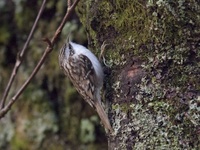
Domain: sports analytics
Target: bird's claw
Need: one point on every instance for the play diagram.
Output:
(102, 53)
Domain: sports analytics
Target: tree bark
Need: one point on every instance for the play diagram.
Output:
(152, 85)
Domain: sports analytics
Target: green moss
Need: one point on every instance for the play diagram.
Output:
(124, 19)
(82, 10)
(164, 34)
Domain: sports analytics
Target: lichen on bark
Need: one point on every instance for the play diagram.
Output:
(152, 84)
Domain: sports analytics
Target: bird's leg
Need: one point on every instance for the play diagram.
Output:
(101, 56)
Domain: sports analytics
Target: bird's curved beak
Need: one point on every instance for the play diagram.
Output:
(68, 38)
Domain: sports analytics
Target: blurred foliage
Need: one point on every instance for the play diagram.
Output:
(50, 113)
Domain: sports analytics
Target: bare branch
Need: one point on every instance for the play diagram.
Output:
(20, 57)
(48, 43)
(41, 61)
(67, 15)
(69, 3)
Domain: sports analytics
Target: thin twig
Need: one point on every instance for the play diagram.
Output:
(20, 57)
(69, 3)
(67, 15)
(41, 61)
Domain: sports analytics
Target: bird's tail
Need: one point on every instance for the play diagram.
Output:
(104, 118)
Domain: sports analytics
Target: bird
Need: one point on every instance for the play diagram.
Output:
(84, 70)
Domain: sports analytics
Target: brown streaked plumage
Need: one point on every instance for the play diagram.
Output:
(85, 72)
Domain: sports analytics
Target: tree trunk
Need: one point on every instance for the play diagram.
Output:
(152, 85)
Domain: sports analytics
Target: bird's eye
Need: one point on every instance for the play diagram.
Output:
(71, 50)
(70, 46)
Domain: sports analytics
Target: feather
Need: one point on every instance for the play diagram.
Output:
(85, 72)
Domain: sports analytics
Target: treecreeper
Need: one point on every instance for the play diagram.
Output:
(84, 70)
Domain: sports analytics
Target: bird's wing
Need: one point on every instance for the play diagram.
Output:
(82, 74)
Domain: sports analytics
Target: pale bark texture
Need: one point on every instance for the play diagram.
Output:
(151, 88)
